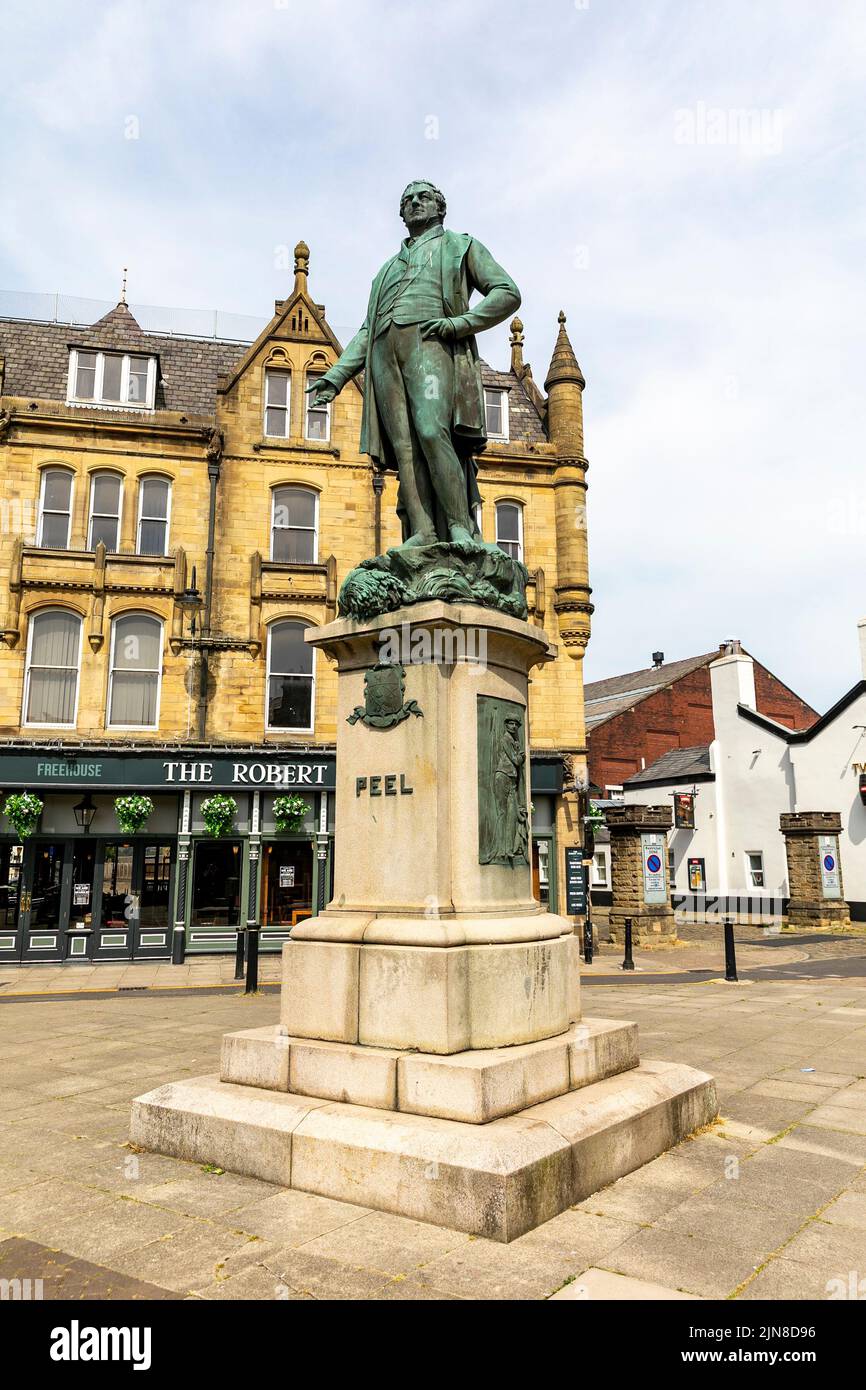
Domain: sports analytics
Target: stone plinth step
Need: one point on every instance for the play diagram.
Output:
(474, 1086)
(497, 1180)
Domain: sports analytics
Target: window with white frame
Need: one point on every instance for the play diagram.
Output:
(154, 511)
(136, 667)
(278, 404)
(318, 419)
(509, 528)
(55, 508)
(51, 674)
(290, 678)
(755, 868)
(124, 379)
(294, 525)
(599, 869)
(106, 502)
(496, 413)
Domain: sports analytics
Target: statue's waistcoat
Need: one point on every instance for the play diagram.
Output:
(411, 290)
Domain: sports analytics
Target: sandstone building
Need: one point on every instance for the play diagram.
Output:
(174, 516)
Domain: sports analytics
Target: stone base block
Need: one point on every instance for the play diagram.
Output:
(817, 913)
(473, 1086)
(497, 1180)
(439, 999)
(651, 926)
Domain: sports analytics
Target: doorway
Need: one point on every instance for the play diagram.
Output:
(287, 883)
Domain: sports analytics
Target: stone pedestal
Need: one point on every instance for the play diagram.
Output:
(815, 888)
(640, 882)
(423, 944)
(430, 1057)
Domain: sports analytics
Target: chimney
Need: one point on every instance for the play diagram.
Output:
(861, 633)
(732, 681)
(658, 659)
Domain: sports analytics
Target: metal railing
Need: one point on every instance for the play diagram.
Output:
(158, 319)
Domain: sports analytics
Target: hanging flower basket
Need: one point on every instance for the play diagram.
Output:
(290, 812)
(23, 809)
(132, 812)
(218, 813)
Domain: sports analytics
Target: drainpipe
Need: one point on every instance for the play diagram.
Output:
(213, 473)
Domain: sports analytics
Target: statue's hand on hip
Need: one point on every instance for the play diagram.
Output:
(321, 392)
(439, 328)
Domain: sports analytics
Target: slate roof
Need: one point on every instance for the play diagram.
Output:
(524, 422)
(37, 366)
(606, 698)
(680, 764)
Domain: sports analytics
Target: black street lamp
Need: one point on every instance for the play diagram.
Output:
(84, 812)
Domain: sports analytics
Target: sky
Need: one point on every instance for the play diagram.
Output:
(684, 179)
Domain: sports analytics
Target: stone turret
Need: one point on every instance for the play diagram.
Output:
(564, 386)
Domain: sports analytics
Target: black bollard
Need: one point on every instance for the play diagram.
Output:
(628, 963)
(239, 954)
(587, 939)
(178, 944)
(252, 983)
(730, 951)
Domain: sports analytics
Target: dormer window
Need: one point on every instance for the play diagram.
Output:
(496, 413)
(121, 379)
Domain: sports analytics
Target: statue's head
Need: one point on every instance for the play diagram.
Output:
(421, 205)
(513, 726)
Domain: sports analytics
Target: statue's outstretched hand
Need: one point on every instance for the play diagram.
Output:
(438, 328)
(321, 391)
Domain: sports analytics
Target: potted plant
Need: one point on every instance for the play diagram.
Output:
(218, 813)
(23, 809)
(132, 812)
(290, 812)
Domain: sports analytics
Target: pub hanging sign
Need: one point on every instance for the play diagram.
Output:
(684, 810)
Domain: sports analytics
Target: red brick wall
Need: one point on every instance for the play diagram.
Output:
(679, 717)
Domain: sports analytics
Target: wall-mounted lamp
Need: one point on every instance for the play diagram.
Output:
(84, 812)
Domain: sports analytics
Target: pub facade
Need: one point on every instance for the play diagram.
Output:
(175, 517)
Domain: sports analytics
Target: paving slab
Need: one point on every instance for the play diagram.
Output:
(602, 1284)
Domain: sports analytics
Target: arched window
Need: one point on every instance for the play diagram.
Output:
(106, 502)
(509, 528)
(154, 511)
(278, 403)
(290, 678)
(294, 525)
(318, 417)
(136, 667)
(55, 508)
(53, 660)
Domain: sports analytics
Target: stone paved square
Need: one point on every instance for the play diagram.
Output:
(768, 1203)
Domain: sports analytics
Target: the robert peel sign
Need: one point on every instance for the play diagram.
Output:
(161, 772)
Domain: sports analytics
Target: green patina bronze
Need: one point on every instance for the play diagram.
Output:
(424, 412)
(503, 816)
(384, 706)
(457, 571)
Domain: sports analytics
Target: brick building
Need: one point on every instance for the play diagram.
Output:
(634, 719)
(175, 515)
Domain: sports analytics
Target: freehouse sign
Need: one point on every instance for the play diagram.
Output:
(163, 773)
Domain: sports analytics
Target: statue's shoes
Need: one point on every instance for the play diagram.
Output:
(460, 536)
(421, 538)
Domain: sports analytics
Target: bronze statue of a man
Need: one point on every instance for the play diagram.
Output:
(424, 402)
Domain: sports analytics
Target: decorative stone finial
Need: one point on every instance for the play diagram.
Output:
(123, 287)
(516, 341)
(302, 265)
